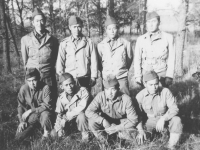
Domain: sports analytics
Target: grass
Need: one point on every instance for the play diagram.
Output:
(186, 90)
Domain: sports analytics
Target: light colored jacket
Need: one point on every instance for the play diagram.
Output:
(157, 54)
(79, 61)
(116, 60)
(163, 103)
(40, 55)
(120, 108)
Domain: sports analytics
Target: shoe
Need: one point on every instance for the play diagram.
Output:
(173, 140)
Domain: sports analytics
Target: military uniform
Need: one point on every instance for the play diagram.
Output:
(41, 53)
(162, 104)
(115, 59)
(72, 108)
(119, 111)
(155, 53)
(79, 58)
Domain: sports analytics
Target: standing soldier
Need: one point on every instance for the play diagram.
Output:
(77, 55)
(155, 51)
(115, 55)
(39, 50)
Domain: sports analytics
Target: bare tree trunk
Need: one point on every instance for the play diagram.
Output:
(14, 19)
(180, 38)
(13, 37)
(110, 8)
(52, 16)
(87, 19)
(99, 17)
(144, 18)
(20, 9)
(6, 54)
(33, 4)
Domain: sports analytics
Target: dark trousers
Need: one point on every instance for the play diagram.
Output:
(35, 119)
(84, 82)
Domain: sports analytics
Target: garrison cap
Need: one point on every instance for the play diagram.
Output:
(110, 81)
(110, 20)
(64, 77)
(32, 72)
(73, 20)
(151, 15)
(36, 12)
(150, 75)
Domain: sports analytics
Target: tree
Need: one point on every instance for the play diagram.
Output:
(6, 53)
(180, 37)
(110, 8)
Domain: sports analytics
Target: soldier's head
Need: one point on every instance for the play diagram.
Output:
(153, 22)
(151, 82)
(111, 86)
(32, 78)
(67, 83)
(38, 20)
(75, 26)
(111, 27)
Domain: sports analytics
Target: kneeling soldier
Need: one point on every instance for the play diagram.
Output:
(161, 109)
(113, 111)
(70, 107)
(34, 105)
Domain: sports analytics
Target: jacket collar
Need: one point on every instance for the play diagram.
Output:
(146, 93)
(81, 44)
(118, 43)
(157, 35)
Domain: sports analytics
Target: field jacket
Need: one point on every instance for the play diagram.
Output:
(156, 54)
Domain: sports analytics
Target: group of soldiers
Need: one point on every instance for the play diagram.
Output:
(77, 61)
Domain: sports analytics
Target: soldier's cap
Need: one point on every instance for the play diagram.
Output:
(110, 81)
(63, 77)
(73, 20)
(32, 72)
(150, 75)
(110, 20)
(36, 12)
(151, 15)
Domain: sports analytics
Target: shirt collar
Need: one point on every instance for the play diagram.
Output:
(107, 39)
(37, 35)
(118, 98)
(157, 35)
(73, 39)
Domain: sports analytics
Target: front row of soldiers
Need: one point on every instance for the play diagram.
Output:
(110, 112)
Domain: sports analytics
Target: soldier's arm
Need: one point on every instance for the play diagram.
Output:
(21, 104)
(138, 60)
(55, 49)
(99, 54)
(47, 101)
(94, 61)
(24, 51)
(171, 58)
(93, 109)
(129, 55)
(132, 117)
(171, 104)
(81, 106)
(60, 64)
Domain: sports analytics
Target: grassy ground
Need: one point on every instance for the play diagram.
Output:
(186, 90)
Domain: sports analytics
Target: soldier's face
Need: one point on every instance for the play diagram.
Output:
(153, 25)
(39, 23)
(76, 30)
(111, 92)
(111, 31)
(33, 82)
(68, 86)
(152, 86)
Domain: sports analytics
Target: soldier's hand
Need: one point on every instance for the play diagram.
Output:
(26, 114)
(196, 76)
(160, 124)
(21, 126)
(112, 129)
(92, 81)
(168, 81)
(106, 124)
(138, 80)
(141, 137)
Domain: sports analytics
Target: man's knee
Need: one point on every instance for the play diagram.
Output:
(175, 125)
(45, 118)
(81, 118)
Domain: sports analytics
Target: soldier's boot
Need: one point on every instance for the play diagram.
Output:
(173, 140)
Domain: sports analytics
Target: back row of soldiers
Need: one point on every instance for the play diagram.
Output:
(77, 63)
